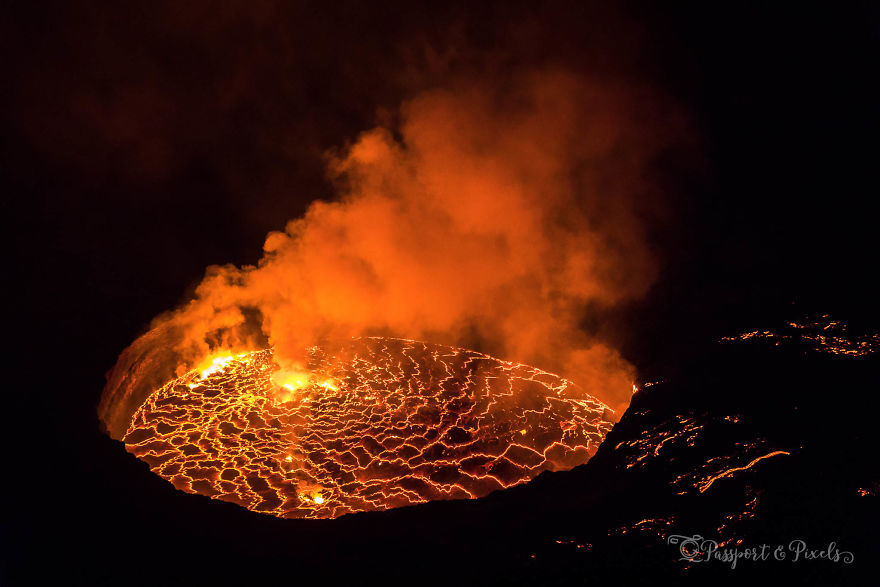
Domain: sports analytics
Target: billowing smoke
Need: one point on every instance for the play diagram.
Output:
(490, 216)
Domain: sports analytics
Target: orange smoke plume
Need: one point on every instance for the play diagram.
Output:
(487, 217)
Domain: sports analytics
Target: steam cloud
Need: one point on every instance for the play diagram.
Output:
(486, 215)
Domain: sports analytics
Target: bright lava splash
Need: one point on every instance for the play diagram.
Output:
(376, 424)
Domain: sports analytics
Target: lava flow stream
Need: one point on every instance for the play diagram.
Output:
(377, 424)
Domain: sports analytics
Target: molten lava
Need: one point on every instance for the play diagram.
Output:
(376, 424)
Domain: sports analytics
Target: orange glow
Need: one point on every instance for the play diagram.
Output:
(707, 483)
(490, 216)
(215, 365)
(299, 384)
(380, 423)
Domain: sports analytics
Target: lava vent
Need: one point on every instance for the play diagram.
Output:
(377, 424)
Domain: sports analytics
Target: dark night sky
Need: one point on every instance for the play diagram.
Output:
(143, 141)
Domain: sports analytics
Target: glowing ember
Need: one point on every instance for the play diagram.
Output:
(822, 334)
(381, 423)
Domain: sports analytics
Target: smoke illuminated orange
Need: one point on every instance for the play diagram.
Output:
(376, 424)
(505, 217)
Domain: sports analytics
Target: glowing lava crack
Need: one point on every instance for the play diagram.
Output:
(377, 424)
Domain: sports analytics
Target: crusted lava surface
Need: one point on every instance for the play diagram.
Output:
(382, 423)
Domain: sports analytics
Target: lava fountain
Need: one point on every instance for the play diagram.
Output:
(374, 424)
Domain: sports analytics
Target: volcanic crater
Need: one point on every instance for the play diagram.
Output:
(375, 423)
